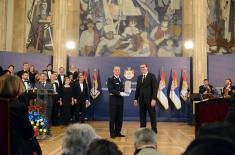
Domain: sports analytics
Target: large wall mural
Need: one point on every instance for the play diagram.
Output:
(131, 28)
(39, 26)
(221, 26)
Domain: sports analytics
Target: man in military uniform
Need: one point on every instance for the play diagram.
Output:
(116, 93)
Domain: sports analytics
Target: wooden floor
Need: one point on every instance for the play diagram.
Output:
(172, 138)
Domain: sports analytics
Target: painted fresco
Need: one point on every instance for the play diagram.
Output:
(221, 26)
(39, 26)
(131, 28)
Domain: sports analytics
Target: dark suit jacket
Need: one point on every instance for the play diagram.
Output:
(115, 86)
(202, 89)
(146, 90)
(49, 87)
(61, 83)
(21, 128)
(230, 92)
(81, 96)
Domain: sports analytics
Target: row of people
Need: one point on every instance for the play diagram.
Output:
(207, 90)
(78, 139)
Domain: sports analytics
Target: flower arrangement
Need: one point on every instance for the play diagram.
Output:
(38, 120)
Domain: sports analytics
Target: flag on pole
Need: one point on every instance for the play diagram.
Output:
(162, 91)
(184, 89)
(174, 92)
(94, 90)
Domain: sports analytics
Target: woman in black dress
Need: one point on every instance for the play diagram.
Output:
(66, 102)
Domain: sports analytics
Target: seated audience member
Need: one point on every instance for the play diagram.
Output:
(206, 90)
(77, 139)
(23, 141)
(25, 69)
(228, 89)
(145, 142)
(103, 147)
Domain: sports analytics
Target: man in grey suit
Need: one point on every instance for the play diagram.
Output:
(46, 87)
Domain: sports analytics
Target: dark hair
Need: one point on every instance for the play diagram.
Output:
(103, 147)
(49, 65)
(25, 63)
(11, 66)
(205, 80)
(144, 64)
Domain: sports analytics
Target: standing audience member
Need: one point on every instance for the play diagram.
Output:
(25, 69)
(66, 102)
(32, 74)
(49, 71)
(45, 86)
(80, 93)
(73, 72)
(103, 147)
(145, 142)
(26, 96)
(55, 100)
(61, 76)
(77, 138)
(22, 140)
(10, 68)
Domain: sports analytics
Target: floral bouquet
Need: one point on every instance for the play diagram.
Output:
(38, 121)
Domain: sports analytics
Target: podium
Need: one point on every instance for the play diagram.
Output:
(40, 111)
(212, 110)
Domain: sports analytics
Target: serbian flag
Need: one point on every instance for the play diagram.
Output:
(162, 92)
(184, 89)
(94, 90)
(174, 92)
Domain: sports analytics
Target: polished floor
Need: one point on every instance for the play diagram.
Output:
(172, 138)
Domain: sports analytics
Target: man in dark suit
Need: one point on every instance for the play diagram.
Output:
(206, 88)
(116, 93)
(24, 98)
(47, 87)
(49, 70)
(80, 91)
(61, 76)
(145, 96)
(25, 69)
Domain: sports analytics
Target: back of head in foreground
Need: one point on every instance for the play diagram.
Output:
(103, 147)
(77, 138)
